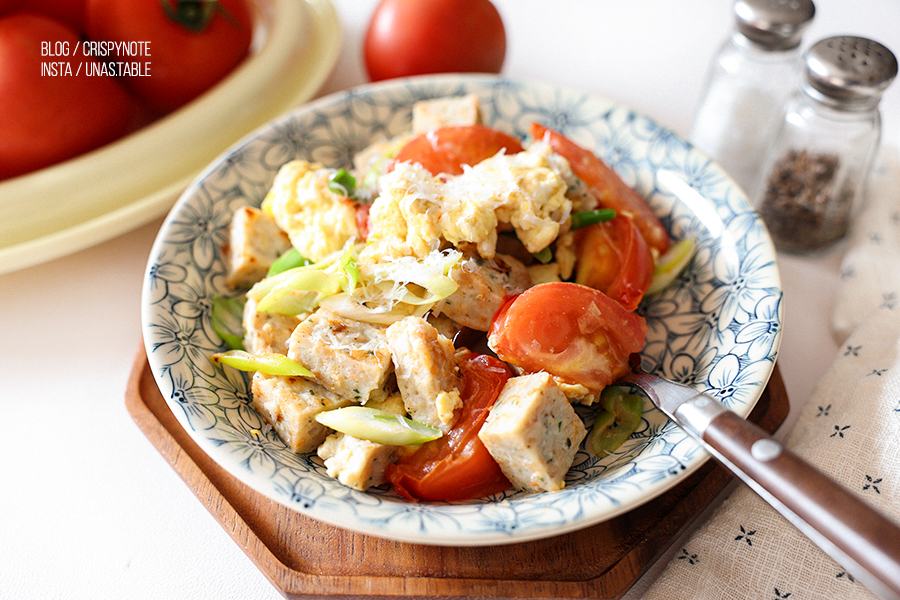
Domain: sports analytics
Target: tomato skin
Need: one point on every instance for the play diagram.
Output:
(457, 466)
(447, 149)
(417, 37)
(613, 257)
(573, 332)
(70, 12)
(8, 6)
(48, 119)
(182, 64)
(607, 186)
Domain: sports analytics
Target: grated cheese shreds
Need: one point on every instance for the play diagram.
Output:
(415, 211)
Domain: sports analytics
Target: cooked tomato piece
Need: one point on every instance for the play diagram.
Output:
(571, 331)
(447, 149)
(607, 186)
(614, 258)
(457, 466)
(362, 220)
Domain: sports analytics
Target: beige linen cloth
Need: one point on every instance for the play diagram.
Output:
(850, 429)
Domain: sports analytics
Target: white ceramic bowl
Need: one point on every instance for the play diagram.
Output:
(718, 328)
(101, 194)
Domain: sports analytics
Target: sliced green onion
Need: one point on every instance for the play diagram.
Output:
(294, 291)
(388, 282)
(289, 260)
(544, 256)
(348, 270)
(227, 321)
(619, 418)
(671, 264)
(269, 363)
(378, 426)
(589, 217)
(343, 183)
(300, 293)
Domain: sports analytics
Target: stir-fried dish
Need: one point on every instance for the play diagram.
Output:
(428, 316)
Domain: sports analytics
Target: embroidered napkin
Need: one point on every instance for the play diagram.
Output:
(850, 429)
(870, 270)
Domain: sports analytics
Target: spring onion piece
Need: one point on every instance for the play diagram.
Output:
(289, 260)
(269, 363)
(351, 307)
(343, 183)
(348, 270)
(226, 319)
(544, 256)
(410, 280)
(378, 426)
(300, 291)
(619, 418)
(671, 264)
(589, 217)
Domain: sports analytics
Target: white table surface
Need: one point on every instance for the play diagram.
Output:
(88, 507)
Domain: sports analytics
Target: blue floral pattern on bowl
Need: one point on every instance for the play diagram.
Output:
(717, 328)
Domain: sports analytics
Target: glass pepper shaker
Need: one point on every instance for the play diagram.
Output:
(815, 170)
(748, 81)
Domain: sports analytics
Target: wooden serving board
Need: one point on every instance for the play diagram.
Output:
(304, 558)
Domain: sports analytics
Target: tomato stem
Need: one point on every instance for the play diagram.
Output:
(196, 15)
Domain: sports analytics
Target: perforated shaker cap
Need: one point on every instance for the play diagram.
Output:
(774, 24)
(849, 72)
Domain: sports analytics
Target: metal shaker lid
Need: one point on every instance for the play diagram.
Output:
(774, 24)
(849, 72)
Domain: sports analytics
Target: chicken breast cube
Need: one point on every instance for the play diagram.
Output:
(254, 242)
(348, 357)
(290, 405)
(426, 371)
(357, 463)
(483, 287)
(267, 332)
(533, 433)
(444, 112)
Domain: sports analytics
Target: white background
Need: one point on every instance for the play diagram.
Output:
(89, 509)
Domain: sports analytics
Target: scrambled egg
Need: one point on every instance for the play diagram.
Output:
(416, 212)
(317, 220)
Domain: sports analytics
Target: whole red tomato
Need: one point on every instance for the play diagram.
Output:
(415, 37)
(8, 6)
(69, 12)
(50, 108)
(192, 44)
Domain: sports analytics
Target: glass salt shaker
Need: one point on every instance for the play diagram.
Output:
(748, 82)
(815, 170)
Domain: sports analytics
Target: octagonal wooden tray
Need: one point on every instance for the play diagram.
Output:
(304, 558)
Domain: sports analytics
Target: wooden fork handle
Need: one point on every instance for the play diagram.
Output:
(863, 541)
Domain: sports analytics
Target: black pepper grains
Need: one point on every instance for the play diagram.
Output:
(800, 205)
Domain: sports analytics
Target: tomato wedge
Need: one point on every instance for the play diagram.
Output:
(607, 186)
(614, 258)
(457, 466)
(571, 331)
(446, 149)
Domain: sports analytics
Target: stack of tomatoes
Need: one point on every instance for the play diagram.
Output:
(53, 107)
